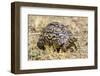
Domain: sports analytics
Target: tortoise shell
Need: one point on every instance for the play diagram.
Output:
(58, 36)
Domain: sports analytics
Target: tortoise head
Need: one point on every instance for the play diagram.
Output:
(40, 44)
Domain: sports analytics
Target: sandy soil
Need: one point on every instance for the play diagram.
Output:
(78, 26)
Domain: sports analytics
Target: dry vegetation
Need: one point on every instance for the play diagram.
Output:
(78, 26)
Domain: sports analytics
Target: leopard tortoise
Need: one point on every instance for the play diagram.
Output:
(58, 36)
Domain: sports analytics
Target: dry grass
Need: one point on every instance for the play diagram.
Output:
(78, 26)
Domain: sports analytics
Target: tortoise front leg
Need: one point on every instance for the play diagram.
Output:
(57, 50)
